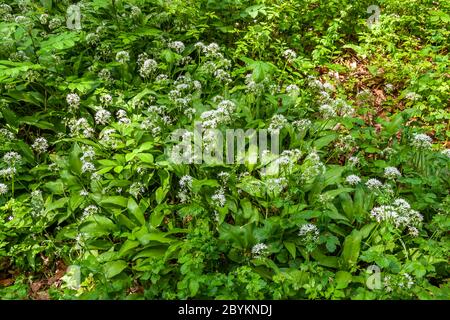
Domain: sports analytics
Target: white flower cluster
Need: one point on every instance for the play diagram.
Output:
(89, 211)
(106, 99)
(40, 145)
(122, 117)
(259, 250)
(177, 46)
(6, 134)
(421, 141)
(391, 173)
(292, 89)
(224, 176)
(86, 160)
(211, 51)
(147, 68)
(12, 158)
(327, 111)
(80, 127)
(277, 123)
(276, 185)
(309, 229)
(186, 186)
(286, 160)
(302, 124)
(122, 57)
(136, 189)
(107, 139)
(256, 88)
(218, 198)
(400, 214)
(401, 281)
(345, 143)
(413, 96)
(353, 180)
(102, 116)
(324, 88)
(374, 184)
(289, 55)
(222, 75)
(312, 166)
(446, 152)
(309, 234)
(3, 189)
(222, 115)
(73, 100)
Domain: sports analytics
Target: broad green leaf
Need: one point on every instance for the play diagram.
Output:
(113, 268)
(134, 209)
(351, 249)
(290, 246)
(343, 278)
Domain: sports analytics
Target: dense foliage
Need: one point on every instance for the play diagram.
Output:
(86, 116)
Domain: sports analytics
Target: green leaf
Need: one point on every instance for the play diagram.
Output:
(114, 200)
(134, 209)
(160, 194)
(343, 278)
(352, 245)
(127, 247)
(145, 157)
(74, 159)
(113, 268)
(290, 246)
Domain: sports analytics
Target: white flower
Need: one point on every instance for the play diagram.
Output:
(87, 167)
(400, 214)
(446, 152)
(412, 96)
(12, 158)
(148, 67)
(178, 46)
(276, 185)
(353, 180)
(8, 173)
(413, 231)
(391, 173)
(421, 141)
(327, 111)
(89, 210)
(161, 77)
(106, 99)
(224, 176)
(219, 197)
(3, 188)
(7, 134)
(102, 116)
(43, 18)
(135, 11)
(73, 100)
(186, 182)
(40, 145)
(353, 161)
(292, 88)
(84, 193)
(374, 184)
(54, 23)
(302, 124)
(122, 56)
(259, 250)
(289, 55)
(310, 230)
(277, 123)
(222, 76)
